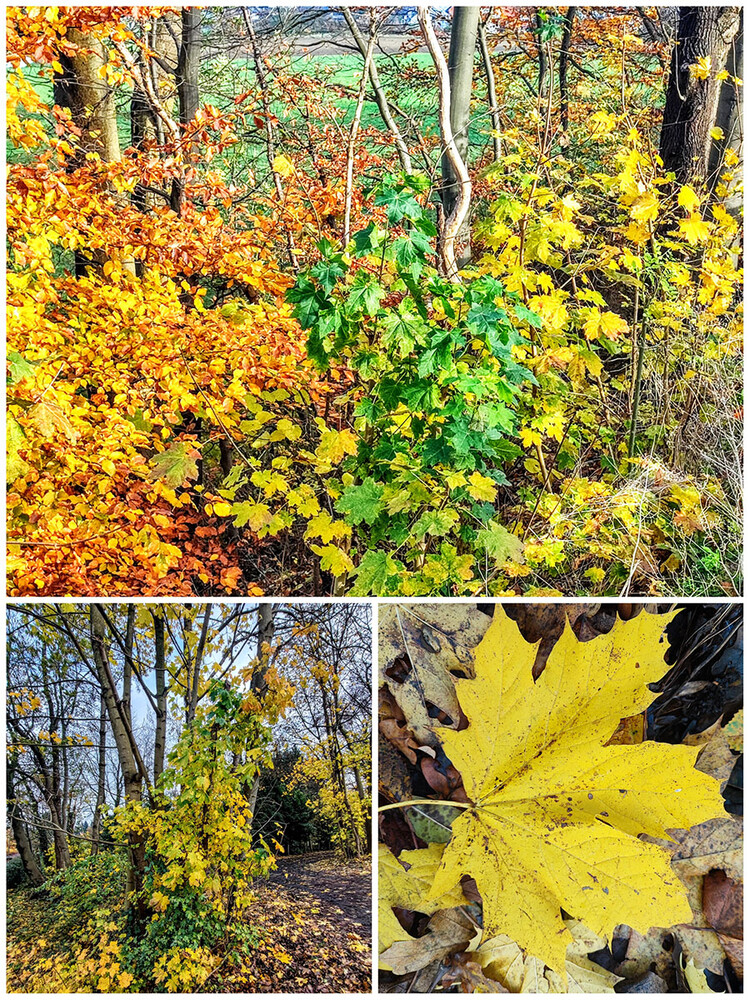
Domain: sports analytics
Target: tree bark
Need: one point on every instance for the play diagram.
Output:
(265, 636)
(188, 66)
(567, 39)
(96, 826)
(457, 218)
(729, 113)
(131, 763)
(28, 859)
(705, 33)
(160, 737)
(464, 30)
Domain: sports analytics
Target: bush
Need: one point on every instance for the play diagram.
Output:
(15, 874)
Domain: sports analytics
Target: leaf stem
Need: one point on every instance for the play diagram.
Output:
(426, 802)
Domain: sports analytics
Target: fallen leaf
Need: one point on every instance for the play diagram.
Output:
(404, 882)
(434, 639)
(448, 931)
(554, 809)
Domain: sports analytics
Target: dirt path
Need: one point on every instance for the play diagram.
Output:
(343, 887)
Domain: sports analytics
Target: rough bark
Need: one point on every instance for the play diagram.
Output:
(692, 103)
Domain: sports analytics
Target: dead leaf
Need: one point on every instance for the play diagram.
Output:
(722, 908)
(434, 640)
(448, 931)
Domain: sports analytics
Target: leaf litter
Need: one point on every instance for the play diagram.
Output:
(559, 805)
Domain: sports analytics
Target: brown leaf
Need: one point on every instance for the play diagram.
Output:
(722, 908)
(447, 931)
(434, 641)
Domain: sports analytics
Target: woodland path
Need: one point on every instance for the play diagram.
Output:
(343, 887)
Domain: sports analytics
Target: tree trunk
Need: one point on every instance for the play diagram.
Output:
(96, 826)
(454, 222)
(489, 75)
(128, 755)
(729, 113)
(704, 38)
(160, 738)
(188, 66)
(464, 29)
(28, 859)
(567, 39)
(89, 97)
(265, 636)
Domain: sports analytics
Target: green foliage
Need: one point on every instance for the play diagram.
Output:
(89, 893)
(435, 401)
(15, 875)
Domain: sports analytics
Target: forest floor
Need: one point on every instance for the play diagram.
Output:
(344, 887)
(308, 932)
(313, 916)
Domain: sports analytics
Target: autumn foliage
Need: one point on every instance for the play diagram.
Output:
(209, 393)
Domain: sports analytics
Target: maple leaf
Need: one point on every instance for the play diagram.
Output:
(434, 639)
(175, 465)
(555, 814)
(405, 881)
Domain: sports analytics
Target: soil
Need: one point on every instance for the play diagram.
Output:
(344, 888)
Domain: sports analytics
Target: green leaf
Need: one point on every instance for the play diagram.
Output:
(327, 272)
(499, 543)
(175, 465)
(362, 503)
(15, 466)
(435, 522)
(399, 205)
(19, 367)
(365, 294)
(373, 574)
(307, 302)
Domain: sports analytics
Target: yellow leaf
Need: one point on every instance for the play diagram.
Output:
(688, 199)
(701, 70)
(405, 881)
(333, 559)
(552, 807)
(283, 166)
(222, 509)
(482, 487)
(645, 207)
(334, 445)
(694, 229)
(530, 437)
(717, 133)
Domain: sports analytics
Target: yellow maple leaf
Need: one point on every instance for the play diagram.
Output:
(554, 809)
(482, 487)
(405, 881)
(283, 166)
(694, 229)
(334, 445)
(701, 70)
(333, 559)
(688, 199)
(645, 207)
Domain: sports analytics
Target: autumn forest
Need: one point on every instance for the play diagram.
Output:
(189, 798)
(374, 301)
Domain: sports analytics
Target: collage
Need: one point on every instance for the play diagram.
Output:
(374, 511)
